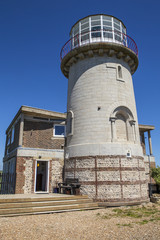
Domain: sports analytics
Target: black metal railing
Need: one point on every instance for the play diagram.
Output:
(7, 183)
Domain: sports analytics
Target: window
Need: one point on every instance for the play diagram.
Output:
(8, 139)
(12, 135)
(59, 130)
(70, 123)
(119, 72)
(96, 32)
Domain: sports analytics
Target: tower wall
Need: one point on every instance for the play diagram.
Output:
(103, 147)
(94, 92)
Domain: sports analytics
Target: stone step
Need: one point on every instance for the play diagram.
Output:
(44, 203)
(47, 209)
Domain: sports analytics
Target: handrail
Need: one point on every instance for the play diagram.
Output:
(100, 36)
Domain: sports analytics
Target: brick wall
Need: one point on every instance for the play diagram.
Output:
(40, 135)
(20, 178)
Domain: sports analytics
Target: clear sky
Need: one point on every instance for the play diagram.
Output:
(32, 33)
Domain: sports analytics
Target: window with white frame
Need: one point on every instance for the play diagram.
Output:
(59, 130)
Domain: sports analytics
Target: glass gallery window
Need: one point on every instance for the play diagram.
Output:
(98, 28)
(59, 130)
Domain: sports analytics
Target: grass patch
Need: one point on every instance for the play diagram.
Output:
(136, 212)
(125, 225)
(143, 222)
(144, 214)
(98, 214)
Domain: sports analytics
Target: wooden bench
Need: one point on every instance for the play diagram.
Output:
(70, 184)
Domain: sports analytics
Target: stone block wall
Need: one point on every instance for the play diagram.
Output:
(110, 178)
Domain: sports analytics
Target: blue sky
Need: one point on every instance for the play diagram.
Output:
(32, 33)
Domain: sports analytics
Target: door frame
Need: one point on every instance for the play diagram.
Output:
(47, 178)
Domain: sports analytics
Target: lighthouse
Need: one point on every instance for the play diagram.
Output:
(103, 149)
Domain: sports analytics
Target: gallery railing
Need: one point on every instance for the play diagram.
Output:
(98, 36)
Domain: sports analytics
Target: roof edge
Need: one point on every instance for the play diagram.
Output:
(37, 112)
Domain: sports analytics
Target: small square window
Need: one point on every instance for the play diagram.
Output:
(59, 130)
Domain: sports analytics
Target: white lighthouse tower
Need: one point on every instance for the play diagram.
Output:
(102, 144)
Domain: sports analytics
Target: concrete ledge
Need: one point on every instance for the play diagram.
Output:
(119, 204)
(100, 48)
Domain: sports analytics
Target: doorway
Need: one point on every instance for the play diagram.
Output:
(41, 184)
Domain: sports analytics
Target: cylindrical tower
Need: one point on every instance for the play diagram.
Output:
(102, 144)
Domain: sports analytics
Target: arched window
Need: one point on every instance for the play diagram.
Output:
(122, 125)
(70, 123)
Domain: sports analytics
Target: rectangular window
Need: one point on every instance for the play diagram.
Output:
(120, 73)
(96, 32)
(12, 135)
(9, 139)
(59, 130)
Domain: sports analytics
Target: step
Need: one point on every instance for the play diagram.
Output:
(47, 209)
(50, 212)
(41, 199)
(44, 203)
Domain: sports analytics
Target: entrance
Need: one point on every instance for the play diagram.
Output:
(42, 176)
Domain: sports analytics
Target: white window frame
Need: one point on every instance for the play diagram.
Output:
(61, 136)
(35, 177)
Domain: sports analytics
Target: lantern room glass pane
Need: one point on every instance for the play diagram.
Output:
(85, 25)
(84, 20)
(108, 35)
(117, 27)
(108, 18)
(84, 37)
(96, 23)
(106, 28)
(96, 32)
(76, 29)
(123, 30)
(85, 30)
(76, 40)
(116, 21)
(117, 37)
(107, 23)
(97, 17)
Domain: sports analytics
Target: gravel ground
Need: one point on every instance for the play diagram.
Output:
(94, 224)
